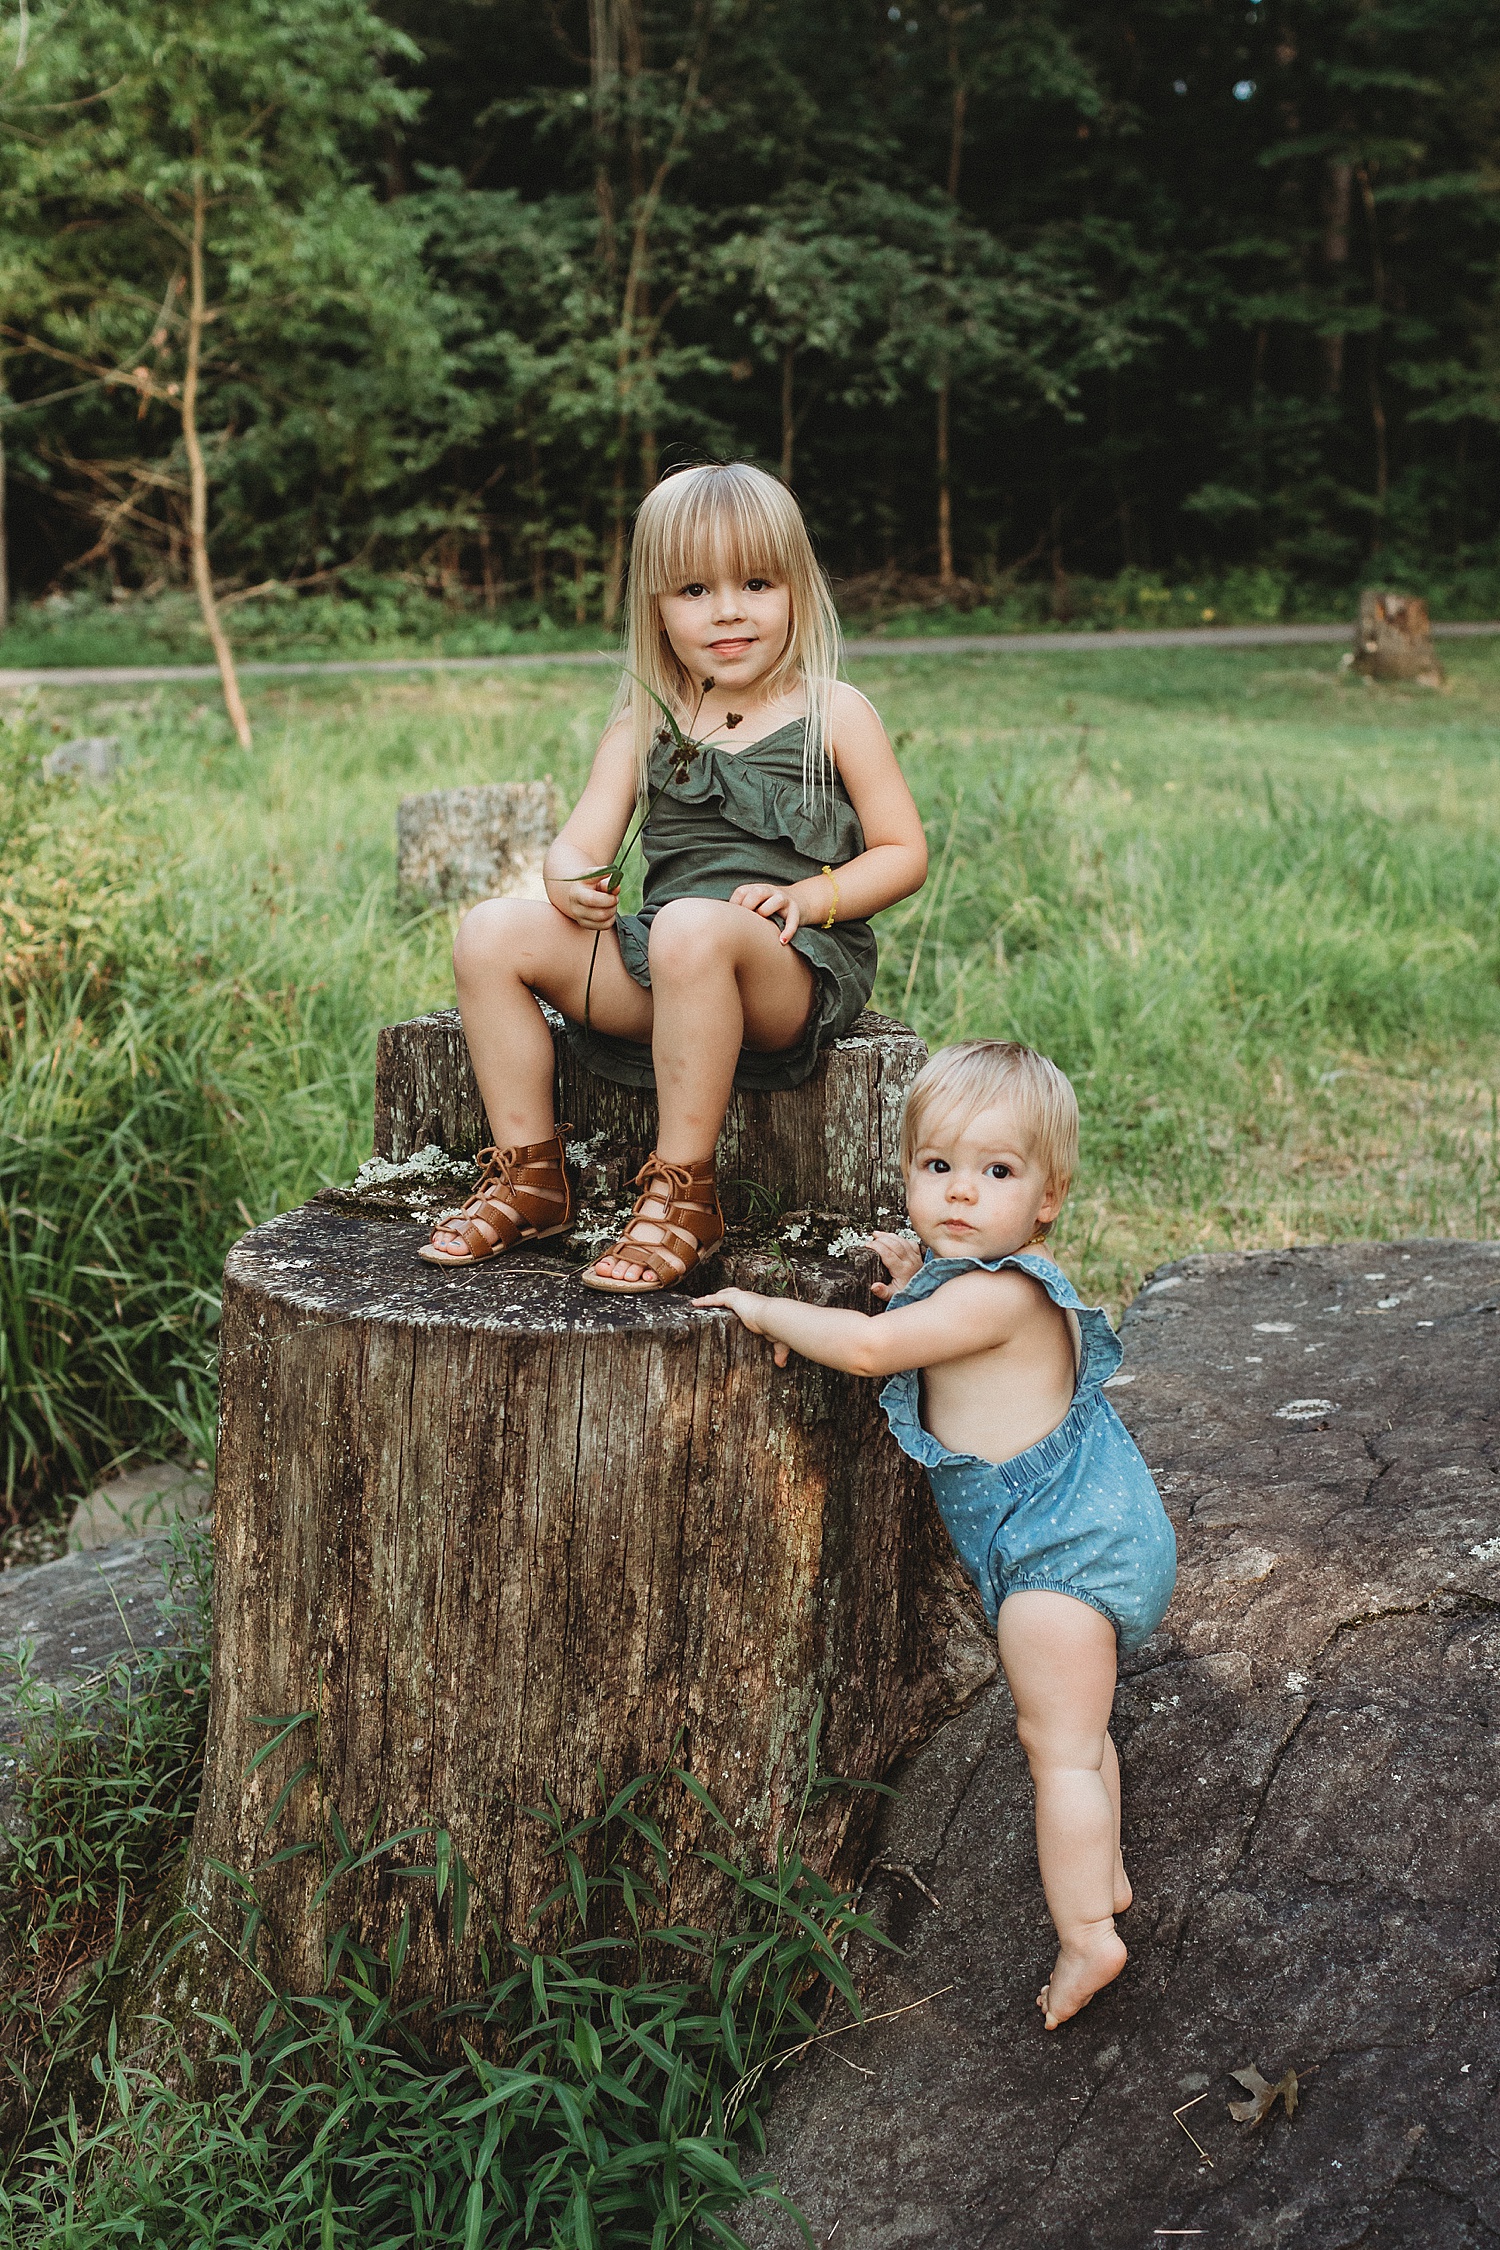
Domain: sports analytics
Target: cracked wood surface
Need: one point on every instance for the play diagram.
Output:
(499, 1531)
(1311, 1753)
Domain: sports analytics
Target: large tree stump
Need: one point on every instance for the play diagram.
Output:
(1393, 639)
(500, 1533)
(834, 1143)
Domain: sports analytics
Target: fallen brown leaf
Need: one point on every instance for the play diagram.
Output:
(1263, 2095)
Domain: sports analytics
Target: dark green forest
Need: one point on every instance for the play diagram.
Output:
(1010, 294)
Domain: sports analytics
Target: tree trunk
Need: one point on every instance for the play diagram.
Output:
(1382, 453)
(958, 110)
(1338, 181)
(197, 475)
(788, 421)
(4, 536)
(1062, 592)
(537, 528)
(1117, 481)
(945, 495)
(497, 1535)
(4, 522)
(614, 568)
(1377, 402)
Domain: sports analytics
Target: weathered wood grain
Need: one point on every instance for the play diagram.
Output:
(498, 1531)
(832, 1143)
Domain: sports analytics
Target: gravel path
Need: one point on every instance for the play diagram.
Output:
(958, 644)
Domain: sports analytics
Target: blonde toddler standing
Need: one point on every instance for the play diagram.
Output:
(994, 1372)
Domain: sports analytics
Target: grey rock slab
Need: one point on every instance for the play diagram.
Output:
(91, 757)
(143, 1499)
(1311, 1754)
(77, 1615)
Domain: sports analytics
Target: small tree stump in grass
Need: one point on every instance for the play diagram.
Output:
(455, 846)
(498, 1532)
(1393, 639)
(832, 1143)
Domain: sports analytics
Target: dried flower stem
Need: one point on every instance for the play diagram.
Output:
(685, 748)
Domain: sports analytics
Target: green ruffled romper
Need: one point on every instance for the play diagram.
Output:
(740, 817)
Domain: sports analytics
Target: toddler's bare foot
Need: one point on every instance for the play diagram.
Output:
(1124, 1895)
(1086, 1963)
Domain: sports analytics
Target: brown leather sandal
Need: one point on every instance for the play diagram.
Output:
(692, 1216)
(517, 1199)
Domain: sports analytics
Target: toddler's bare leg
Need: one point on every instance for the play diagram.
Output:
(1111, 1772)
(508, 952)
(1059, 1658)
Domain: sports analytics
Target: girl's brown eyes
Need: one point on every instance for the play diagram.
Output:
(752, 586)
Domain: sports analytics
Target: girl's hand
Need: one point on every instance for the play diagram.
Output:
(593, 906)
(748, 1309)
(901, 1258)
(774, 903)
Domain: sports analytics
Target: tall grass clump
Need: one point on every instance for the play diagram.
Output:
(184, 1048)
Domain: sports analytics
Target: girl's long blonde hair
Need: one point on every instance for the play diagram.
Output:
(727, 519)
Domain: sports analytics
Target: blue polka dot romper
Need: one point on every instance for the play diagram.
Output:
(1077, 1513)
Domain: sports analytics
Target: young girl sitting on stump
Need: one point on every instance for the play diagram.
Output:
(775, 831)
(996, 1368)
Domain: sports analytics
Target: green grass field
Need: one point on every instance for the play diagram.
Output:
(1250, 905)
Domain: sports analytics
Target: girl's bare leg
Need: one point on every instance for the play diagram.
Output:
(720, 979)
(508, 952)
(1059, 1658)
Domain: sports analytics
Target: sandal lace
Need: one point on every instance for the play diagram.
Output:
(496, 1169)
(679, 1177)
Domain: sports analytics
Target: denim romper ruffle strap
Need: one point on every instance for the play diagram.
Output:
(1077, 1513)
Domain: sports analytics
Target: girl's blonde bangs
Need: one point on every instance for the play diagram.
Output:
(727, 520)
(703, 525)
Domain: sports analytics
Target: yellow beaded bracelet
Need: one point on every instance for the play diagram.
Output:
(833, 910)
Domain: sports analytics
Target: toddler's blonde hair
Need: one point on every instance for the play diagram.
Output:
(961, 1081)
(727, 519)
